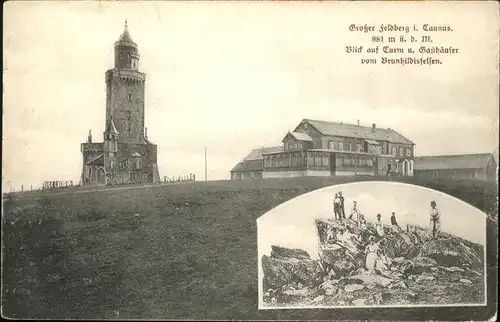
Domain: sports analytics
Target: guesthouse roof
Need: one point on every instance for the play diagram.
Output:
(256, 154)
(251, 165)
(254, 160)
(299, 136)
(350, 130)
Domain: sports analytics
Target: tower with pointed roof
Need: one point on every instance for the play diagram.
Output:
(125, 88)
(125, 155)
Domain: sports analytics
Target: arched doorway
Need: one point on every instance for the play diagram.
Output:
(101, 177)
(405, 167)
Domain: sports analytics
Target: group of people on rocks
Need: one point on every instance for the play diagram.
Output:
(358, 217)
(376, 258)
(339, 208)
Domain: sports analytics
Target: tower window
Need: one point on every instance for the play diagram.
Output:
(138, 163)
(130, 97)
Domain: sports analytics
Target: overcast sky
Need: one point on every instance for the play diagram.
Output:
(236, 76)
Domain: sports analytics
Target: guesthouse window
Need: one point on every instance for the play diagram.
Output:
(130, 97)
(400, 151)
(350, 147)
(341, 146)
(408, 152)
(331, 145)
(358, 147)
(393, 150)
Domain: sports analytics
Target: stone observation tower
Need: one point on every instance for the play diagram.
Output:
(126, 155)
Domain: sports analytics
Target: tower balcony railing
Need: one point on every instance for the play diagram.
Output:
(91, 147)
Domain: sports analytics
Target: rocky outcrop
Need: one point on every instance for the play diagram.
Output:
(339, 262)
(450, 252)
(289, 270)
(419, 265)
(283, 253)
(408, 268)
(401, 243)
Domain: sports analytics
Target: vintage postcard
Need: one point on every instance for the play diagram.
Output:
(250, 160)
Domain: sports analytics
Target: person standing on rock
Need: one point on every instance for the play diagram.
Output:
(355, 211)
(336, 207)
(371, 255)
(362, 222)
(394, 223)
(434, 220)
(364, 233)
(342, 205)
(379, 227)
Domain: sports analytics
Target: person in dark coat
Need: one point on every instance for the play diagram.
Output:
(394, 223)
(342, 206)
(336, 206)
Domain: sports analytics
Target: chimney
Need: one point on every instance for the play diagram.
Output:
(373, 126)
(358, 122)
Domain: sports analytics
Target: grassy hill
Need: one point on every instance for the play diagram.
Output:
(178, 251)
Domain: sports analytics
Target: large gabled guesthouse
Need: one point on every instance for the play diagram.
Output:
(320, 148)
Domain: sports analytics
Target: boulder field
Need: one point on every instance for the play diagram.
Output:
(418, 270)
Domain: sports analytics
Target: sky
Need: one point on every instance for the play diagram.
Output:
(234, 77)
(291, 224)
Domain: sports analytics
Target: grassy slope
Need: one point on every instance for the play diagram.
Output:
(191, 252)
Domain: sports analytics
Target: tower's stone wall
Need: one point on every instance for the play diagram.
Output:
(125, 102)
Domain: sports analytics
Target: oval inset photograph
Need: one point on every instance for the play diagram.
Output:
(372, 244)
